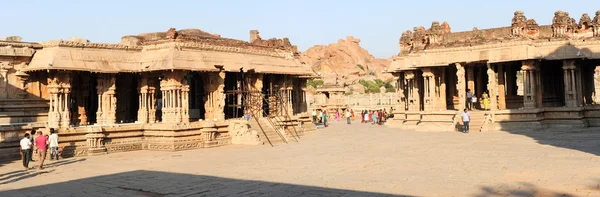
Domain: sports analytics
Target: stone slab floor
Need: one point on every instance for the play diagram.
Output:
(341, 160)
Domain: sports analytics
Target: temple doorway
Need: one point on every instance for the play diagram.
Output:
(127, 97)
(197, 95)
(233, 95)
(553, 84)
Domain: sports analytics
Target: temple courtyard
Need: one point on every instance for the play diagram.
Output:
(341, 160)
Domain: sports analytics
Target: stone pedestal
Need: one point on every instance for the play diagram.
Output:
(95, 141)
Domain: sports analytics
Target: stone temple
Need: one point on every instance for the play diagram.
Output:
(171, 90)
(537, 76)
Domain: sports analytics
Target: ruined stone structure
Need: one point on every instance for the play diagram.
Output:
(535, 76)
(155, 91)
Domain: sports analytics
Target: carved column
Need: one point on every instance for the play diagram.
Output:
(65, 87)
(471, 79)
(492, 85)
(571, 80)
(428, 89)
(413, 92)
(4, 68)
(531, 82)
(144, 94)
(460, 86)
(501, 86)
(53, 90)
(185, 102)
(152, 103)
(111, 100)
(166, 99)
(441, 98)
(95, 141)
(596, 96)
(100, 91)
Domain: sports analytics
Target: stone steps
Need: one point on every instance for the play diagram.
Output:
(477, 120)
(271, 134)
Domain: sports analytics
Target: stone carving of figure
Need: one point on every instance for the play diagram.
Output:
(585, 22)
(532, 28)
(446, 27)
(560, 23)
(418, 37)
(172, 34)
(434, 33)
(518, 23)
(406, 44)
(596, 23)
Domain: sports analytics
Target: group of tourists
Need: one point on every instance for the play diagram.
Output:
(375, 116)
(320, 117)
(472, 100)
(39, 145)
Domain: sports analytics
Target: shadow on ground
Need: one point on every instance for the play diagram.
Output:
(159, 184)
(519, 190)
(584, 140)
(18, 175)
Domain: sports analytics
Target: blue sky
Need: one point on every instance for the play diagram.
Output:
(377, 23)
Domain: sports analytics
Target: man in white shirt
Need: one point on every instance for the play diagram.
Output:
(25, 146)
(348, 116)
(53, 142)
(466, 118)
(314, 116)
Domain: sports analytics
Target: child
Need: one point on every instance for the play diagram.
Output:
(473, 101)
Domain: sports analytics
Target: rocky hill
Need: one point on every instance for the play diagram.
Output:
(347, 62)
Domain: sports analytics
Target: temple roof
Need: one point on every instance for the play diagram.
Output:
(190, 49)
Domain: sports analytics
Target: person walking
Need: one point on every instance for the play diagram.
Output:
(314, 116)
(469, 99)
(320, 118)
(337, 115)
(466, 118)
(348, 116)
(366, 116)
(25, 150)
(31, 139)
(352, 114)
(53, 142)
(362, 117)
(325, 119)
(41, 143)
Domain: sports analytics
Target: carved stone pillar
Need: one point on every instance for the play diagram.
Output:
(441, 97)
(491, 86)
(144, 98)
(460, 86)
(111, 100)
(596, 94)
(152, 104)
(53, 112)
(414, 103)
(571, 80)
(100, 91)
(501, 86)
(428, 90)
(471, 79)
(4, 68)
(185, 101)
(531, 82)
(65, 100)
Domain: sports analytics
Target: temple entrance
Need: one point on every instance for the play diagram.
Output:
(270, 92)
(588, 69)
(197, 95)
(83, 103)
(513, 85)
(233, 95)
(553, 84)
(477, 81)
(158, 97)
(127, 97)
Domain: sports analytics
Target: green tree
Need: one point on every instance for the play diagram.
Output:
(315, 83)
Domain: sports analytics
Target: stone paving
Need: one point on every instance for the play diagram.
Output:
(341, 160)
